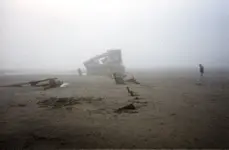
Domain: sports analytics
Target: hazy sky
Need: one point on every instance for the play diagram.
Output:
(64, 33)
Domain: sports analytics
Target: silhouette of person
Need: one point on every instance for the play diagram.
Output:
(201, 67)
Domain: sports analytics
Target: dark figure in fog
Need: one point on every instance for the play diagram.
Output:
(79, 72)
(201, 70)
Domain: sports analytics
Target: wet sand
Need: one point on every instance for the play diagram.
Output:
(172, 112)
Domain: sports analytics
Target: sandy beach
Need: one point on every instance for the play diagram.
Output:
(172, 111)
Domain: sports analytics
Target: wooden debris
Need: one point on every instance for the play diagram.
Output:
(128, 108)
(132, 80)
(45, 83)
(55, 102)
(118, 79)
(130, 92)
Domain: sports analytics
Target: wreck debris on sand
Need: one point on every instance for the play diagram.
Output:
(132, 80)
(129, 78)
(130, 108)
(45, 83)
(118, 78)
(130, 92)
(105, 64)
(55, 102)
(123, 79)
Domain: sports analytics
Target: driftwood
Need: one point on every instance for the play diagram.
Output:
(130, 92)
(51, 83)
(126, 108)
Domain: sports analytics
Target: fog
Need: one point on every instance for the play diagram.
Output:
(61, 34)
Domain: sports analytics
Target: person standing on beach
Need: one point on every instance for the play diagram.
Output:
(201, 67)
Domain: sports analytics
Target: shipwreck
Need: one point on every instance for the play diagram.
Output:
(105, 64)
